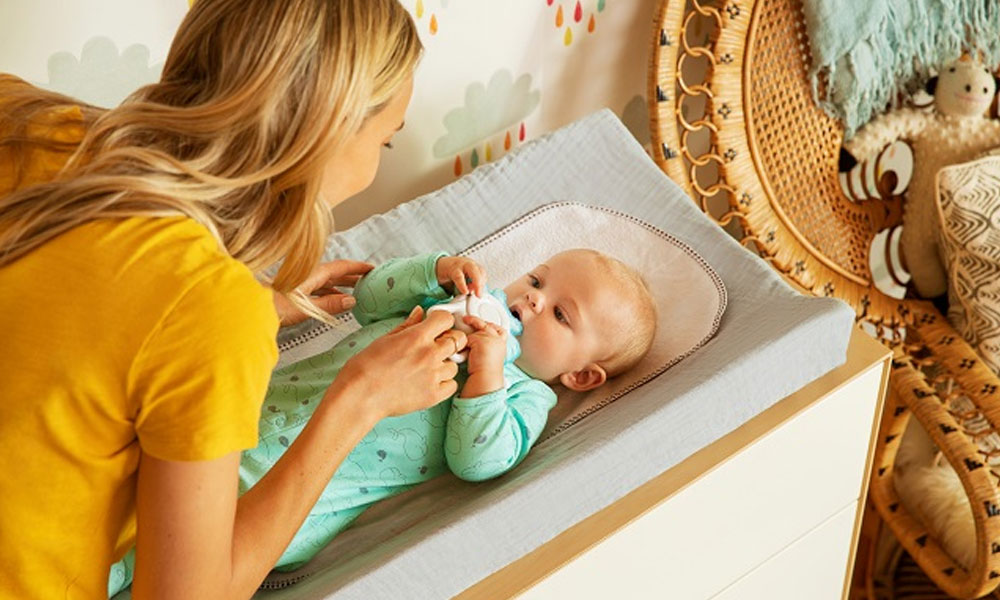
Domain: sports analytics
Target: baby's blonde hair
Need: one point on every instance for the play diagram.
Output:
(635, 339)
(254, 99)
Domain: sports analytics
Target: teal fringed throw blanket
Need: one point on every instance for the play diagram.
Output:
(868, 50)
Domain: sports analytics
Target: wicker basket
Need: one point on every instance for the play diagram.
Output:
(771, 155)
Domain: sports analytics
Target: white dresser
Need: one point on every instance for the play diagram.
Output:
(771, 511)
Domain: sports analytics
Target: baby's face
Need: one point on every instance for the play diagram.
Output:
(569, 312)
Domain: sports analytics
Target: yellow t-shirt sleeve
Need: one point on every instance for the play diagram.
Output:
(200, 377)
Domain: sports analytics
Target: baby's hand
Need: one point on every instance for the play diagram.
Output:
(487, 346)
(459, 274)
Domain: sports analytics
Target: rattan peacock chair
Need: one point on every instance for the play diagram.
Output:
(771, 155)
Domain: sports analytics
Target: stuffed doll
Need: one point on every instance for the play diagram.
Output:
(956, 130)
(865, 182)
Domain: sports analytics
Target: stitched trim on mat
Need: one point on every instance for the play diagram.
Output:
(280, 583)
(716, 280)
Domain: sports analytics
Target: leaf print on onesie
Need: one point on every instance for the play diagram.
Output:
(491, 466)
(275, 445)
(392, 477)
(463, 418)
(366, 299)
(414, 444)
(436, 416)
(352, 470)
(402, 290)
(453, 444)
(324, 527)
(370, 438)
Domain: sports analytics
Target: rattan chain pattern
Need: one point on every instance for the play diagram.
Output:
(775, 152)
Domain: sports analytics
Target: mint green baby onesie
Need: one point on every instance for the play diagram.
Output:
(475, 438)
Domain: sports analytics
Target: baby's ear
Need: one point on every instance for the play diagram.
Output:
(590, 377)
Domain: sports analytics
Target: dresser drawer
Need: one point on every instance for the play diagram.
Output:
(802, 570)
(753, 505)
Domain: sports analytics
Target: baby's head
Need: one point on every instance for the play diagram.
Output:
(586, 316)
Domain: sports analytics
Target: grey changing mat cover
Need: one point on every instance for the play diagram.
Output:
(445, 535)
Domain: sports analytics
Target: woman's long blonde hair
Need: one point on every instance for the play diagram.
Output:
(255, 97)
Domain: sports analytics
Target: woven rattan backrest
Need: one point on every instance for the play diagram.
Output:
(774, 150)
(798, 144)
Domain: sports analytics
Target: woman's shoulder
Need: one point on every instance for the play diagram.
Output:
(178, 242)
(117, 284)
(161, 259)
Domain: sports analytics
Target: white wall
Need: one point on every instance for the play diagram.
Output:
(491, 67)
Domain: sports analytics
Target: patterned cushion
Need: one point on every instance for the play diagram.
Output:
(968, 201)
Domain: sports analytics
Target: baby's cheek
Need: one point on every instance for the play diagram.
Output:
(546, 353)
(528, 360)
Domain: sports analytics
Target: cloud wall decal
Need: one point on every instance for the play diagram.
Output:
(101, 76)
(488, 109)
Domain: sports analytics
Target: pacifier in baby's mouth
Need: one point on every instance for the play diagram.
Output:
(488, 308)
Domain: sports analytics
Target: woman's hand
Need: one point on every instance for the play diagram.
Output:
(319, 288)
(459, 274)
(405, 370)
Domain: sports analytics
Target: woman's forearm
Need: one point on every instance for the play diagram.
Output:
(400, 372)
(270, 513)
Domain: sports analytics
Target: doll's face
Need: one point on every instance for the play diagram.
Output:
(965, 88)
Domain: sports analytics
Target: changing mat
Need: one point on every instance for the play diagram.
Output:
(445, 535)
(690, 296)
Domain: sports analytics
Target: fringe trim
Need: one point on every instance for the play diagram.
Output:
(901, 54)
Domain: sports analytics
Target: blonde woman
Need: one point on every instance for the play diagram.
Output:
(138, 332)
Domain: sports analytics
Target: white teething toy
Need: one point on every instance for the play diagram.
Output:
(488, 308)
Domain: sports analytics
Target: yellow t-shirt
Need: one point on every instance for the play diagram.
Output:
(117, 337)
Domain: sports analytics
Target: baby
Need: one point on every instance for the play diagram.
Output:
(577, 319)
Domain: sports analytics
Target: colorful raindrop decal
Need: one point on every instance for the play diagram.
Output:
(474, 159)
(520, 135)
(458, 166)
(506, 142)
(420, 8)
(489, 152)
(566, 24)
(434, 24)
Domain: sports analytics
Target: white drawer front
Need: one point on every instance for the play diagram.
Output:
(739, 515)
(802, 570)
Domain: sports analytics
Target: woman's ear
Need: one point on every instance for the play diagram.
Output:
(931, 85)
(590, 377)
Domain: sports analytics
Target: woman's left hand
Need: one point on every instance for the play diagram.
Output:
(319, 287)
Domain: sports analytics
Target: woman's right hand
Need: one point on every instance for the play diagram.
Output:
(407, 369)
